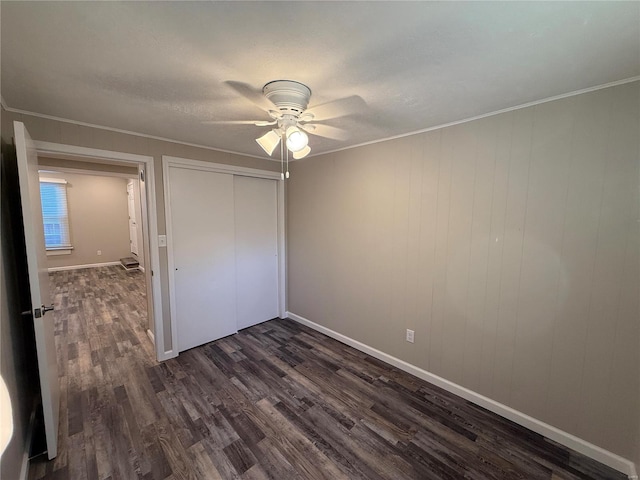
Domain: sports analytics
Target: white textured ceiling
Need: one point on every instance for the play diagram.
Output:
(159, 68)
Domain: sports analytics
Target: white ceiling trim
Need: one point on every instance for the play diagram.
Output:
(127, 132)
(373, 142)
(490, 114)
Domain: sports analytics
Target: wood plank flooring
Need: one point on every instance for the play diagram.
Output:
(276, 401)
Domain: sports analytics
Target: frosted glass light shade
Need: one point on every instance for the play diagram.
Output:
(269, 141)
(296, 139)
(302, 153)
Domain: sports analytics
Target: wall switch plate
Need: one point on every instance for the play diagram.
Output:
(99, 252)
(162, 240)
(410, 334)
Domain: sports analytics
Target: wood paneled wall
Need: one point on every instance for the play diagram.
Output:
(509, 244)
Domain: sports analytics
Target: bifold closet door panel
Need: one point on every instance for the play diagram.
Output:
(203, 244)
(256, 229)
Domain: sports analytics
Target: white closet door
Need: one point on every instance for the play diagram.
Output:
(202, 235)
(256, 232)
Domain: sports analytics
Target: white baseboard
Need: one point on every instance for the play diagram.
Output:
(151, 336)
(141, 268)
(87, 265)
(568, 440)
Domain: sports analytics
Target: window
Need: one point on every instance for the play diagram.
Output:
(55, 215)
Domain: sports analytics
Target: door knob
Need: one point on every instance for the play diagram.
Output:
(46, 309)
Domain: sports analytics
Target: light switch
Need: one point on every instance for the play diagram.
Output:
(162, 240)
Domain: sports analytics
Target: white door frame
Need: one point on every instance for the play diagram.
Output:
(169, 161)
(153, 273)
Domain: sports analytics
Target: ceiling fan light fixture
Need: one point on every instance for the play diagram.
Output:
(296, 139)
(269, 141)
(286, 102)
(302, 153)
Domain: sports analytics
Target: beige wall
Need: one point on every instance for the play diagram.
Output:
(509, 244)
(48, 130)
(98, 219)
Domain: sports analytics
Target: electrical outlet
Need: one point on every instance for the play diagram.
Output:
(99, 252)
(410, 334)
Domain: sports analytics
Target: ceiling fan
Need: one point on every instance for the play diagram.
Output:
(286, 101)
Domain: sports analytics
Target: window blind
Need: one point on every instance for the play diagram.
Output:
(55, 213)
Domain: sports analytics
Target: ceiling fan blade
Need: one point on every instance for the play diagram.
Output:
(336, 108)
(254, 96)
(325, 131)
(257, 123)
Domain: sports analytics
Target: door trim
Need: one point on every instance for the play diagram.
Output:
(177, 162)
(153, 274)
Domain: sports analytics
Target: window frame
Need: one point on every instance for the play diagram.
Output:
(64, 247)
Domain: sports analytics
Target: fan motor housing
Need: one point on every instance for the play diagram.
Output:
(289, 96)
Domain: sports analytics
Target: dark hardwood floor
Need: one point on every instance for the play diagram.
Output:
(276, 401)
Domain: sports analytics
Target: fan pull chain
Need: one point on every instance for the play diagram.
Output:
(287, 174)
(282, 158)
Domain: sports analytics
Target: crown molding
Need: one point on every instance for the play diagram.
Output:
(372, 142)
(485, 115)
(127, 132)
